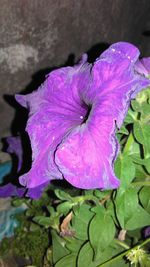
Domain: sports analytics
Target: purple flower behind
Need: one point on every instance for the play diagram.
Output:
(15, 147)
(9, 189)
(73, 119)
(146, 232)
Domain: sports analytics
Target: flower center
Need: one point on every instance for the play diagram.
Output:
(86, 116)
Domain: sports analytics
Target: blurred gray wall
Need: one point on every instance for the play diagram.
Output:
(39, 34)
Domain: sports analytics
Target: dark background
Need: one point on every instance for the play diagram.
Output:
(38, 35)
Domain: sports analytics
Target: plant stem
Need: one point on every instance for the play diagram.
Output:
(121, 243)
(144, 243)
(107, 263)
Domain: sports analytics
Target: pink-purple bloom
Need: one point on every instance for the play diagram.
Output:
(73, 118)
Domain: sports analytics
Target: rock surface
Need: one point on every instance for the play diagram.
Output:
(37, 35)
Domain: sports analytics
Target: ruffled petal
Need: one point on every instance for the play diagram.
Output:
(143, 66)
(36, 192)
(86, 155)
(54, 110)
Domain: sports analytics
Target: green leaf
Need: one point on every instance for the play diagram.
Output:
(18, 202)
(59, 250)
(145, 110)
(124, 170)
(85, 257)
(110, 252)
(102, 194)
(134, 148)
(140, 172)
(147, 166)
(131, 116)
(135, 105)
(144, 196)
(143, 96)
(62, 195)
(137, 159)
(142, 134)
(80, 221)
(123, 130)
(89, 192)
(42, 220)
(120, 207)
(131, 203)
(126, 204)
(64, 207)
(110, 208)
(67, 261)
(139, 219)
(51, 210)
(101, 231)
(74, 244)
(143, 107)
(52, 221)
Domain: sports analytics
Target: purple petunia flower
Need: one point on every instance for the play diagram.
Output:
(73, 119)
